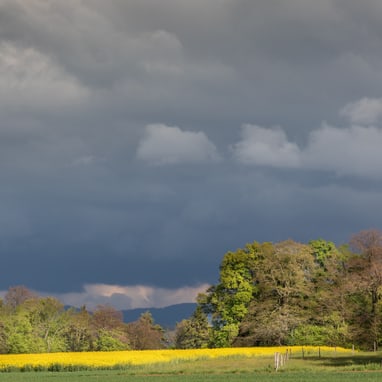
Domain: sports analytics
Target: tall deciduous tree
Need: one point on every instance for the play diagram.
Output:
(78, 333)
(329, 307)
(227, 302)
(18, 331)
(365, 270)
(49, 320)
(284, 280)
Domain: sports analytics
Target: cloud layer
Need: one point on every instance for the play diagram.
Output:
(32, 82)
(128, 297)
(351, 151)
(345, 151)
(141, 140)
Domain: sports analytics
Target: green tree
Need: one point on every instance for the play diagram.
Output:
(365, 287)
(227, 302)
(110, 341)
(322, 250)
(329, 308)
(49, 320)
(18, 333)
(3, 338)
(78, 334)
(193, 333)
(284, 275)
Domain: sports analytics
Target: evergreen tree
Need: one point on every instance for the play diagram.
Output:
(193, 333)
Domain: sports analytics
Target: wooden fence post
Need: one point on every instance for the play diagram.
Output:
(281, 359)
(276, 361)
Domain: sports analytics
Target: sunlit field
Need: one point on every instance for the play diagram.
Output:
(306, 363)
(105, 360)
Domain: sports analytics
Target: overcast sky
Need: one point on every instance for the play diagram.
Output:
(140, 140)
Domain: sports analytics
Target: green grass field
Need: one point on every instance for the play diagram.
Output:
(112, 376)
(362, 367)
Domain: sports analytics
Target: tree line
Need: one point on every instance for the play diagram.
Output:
(33, 324)
(285, 293)
(289, 293)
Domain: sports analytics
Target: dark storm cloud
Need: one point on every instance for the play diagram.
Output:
(141, 140)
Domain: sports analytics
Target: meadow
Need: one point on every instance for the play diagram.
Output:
(237, 364)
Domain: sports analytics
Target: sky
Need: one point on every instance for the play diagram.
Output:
(141, 140)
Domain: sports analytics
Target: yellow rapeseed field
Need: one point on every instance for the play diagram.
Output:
(146, 357)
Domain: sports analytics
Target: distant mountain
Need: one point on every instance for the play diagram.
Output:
(166, 317)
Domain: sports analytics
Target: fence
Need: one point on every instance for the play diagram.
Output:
(281, 359)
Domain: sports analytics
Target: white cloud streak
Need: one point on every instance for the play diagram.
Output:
(131, 297)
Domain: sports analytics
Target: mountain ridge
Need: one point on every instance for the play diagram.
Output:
(167, 317)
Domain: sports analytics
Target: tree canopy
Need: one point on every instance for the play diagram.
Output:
(289, 293)
(284, 293)
(33, 324)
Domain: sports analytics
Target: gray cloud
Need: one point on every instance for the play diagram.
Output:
(365, 111)
(352, 151)
(137, 138)
(346, 151)
(31, 81)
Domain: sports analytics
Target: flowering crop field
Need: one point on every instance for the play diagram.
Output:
(100, 360)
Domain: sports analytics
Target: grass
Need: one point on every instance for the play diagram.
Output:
(329, 367)
(116, 376)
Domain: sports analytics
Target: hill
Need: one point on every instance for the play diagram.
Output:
(166, 317)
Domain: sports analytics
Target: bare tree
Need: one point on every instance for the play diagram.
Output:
(17, 295)
(145, 334)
